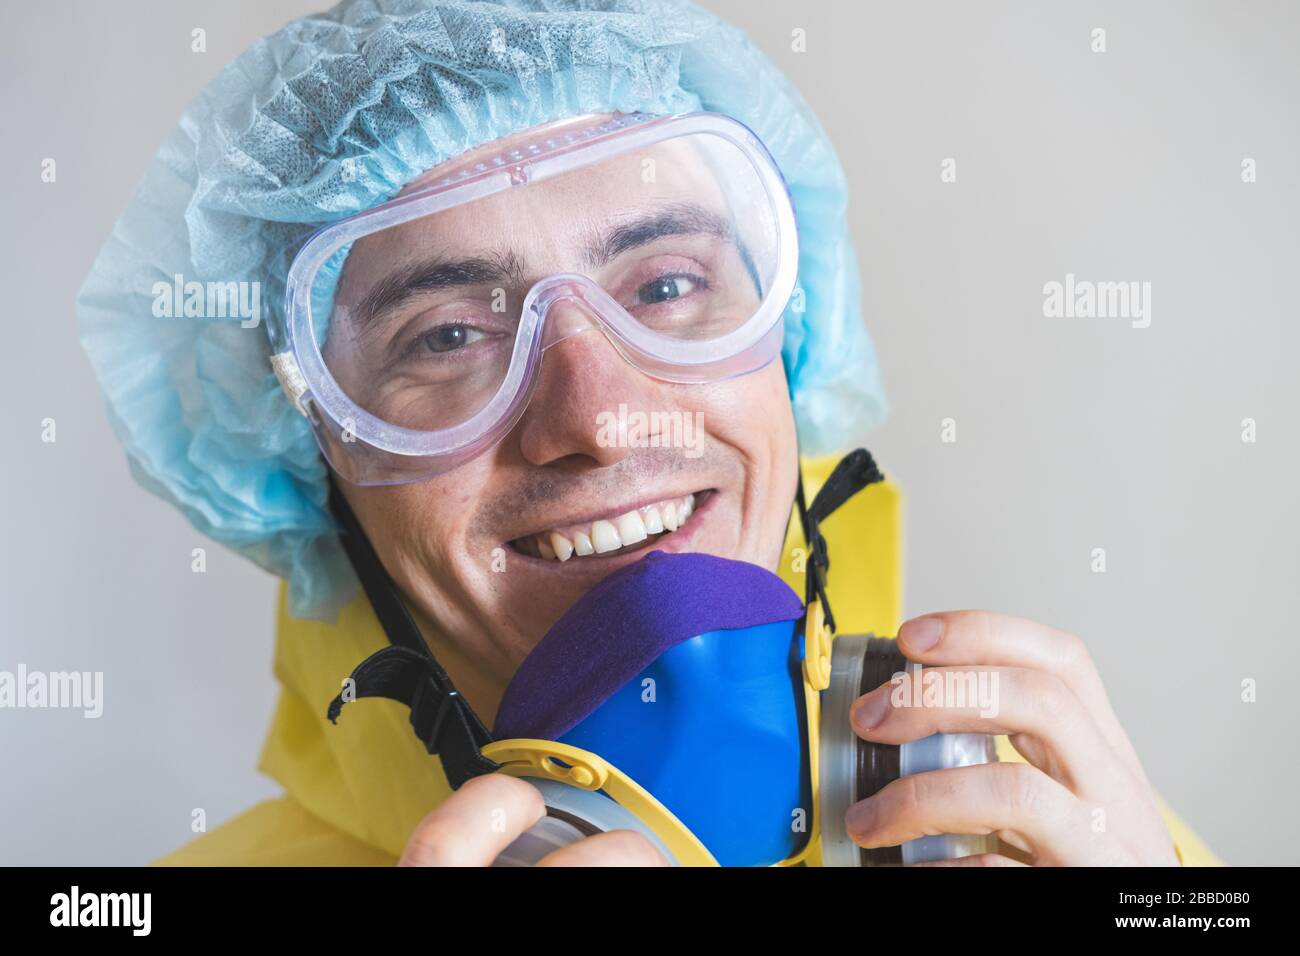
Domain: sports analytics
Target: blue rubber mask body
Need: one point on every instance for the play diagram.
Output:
(709, 719)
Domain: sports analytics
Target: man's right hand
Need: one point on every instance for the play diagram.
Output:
(483, 817)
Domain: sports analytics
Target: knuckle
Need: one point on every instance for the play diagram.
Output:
(910, 794)
(1020, 787)
(531, 799)
(1074, 656)
(1044, 694)
(902, 796)
(982, 626)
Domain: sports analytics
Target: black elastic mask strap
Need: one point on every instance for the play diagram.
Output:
(855, 471)
(407, 671)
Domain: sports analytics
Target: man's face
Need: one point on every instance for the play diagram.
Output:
(477, 551)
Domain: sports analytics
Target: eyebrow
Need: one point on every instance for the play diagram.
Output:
(505, 265)
(675, 219)
(434, 275)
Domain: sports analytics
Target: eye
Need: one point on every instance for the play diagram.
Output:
(664, 288)
(449, 338)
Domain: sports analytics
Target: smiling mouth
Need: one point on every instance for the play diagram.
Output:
(614, 535)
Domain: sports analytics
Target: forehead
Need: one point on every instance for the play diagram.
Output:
(546, 224)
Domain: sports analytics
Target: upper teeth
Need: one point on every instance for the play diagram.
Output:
(605, 535)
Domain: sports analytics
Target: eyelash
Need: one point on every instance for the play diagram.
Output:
(700, 282)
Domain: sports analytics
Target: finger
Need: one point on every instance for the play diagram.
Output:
(474, 824)
(981, 859)
(1000, 640)
(615, 848)
(997, 798)
(1066, 744)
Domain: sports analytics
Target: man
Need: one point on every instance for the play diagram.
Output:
(515, 245)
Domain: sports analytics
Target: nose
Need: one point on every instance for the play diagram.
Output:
(582, 380)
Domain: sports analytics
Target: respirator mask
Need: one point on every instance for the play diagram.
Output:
(715, 724)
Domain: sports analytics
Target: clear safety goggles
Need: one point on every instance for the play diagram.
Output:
(673, 236)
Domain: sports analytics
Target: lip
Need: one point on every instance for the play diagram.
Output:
(684, 539)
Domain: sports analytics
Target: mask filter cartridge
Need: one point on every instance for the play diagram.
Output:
(853, 769)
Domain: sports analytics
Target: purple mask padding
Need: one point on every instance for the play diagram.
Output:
(623, 624)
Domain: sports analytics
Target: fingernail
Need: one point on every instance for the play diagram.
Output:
(858, 820)
(921, 633)
(870, 710)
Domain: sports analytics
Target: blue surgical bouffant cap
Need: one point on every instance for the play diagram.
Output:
(335, 113)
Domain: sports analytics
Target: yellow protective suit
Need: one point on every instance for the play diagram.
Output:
(355, 791)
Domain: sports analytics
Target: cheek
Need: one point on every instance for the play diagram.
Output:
(415, 525)
(761, 427)
(752, 412)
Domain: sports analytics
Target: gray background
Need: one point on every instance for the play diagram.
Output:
(1072, 434)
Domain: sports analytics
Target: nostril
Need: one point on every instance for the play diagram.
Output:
(576, 463)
